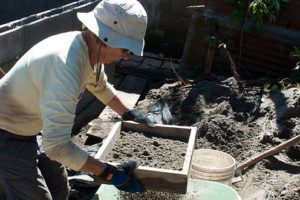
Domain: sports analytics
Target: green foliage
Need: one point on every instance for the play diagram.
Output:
(281, 85)
(254, 14)
(295, 53)
(295, 72)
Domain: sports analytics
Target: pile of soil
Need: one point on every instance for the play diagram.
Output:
(241, 120)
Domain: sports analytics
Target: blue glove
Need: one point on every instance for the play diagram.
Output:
(137, 116)
(123, 177)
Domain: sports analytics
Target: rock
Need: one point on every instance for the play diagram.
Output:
(150, 54)
(294, 151)
(168, 65)
(258, 192)
(287, 103)
(129, 63)
(291, 190)
(152, 62)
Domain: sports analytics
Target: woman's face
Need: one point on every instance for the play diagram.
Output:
(109, 55)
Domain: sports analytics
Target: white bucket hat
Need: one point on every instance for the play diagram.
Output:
(118, 23)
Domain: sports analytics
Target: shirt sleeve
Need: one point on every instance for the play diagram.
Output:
(60, 85)
(104, 91)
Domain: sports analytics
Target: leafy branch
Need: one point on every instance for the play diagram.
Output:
(295, 72)
(295, 53)
(254, 14)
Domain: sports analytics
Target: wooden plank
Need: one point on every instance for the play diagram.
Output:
(186, 133)
(157, 179)
(181, 132)
(190, 149)
(108, 142)
(163, 180)
(129, 92)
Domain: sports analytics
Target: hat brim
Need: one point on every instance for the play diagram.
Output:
(110, 36)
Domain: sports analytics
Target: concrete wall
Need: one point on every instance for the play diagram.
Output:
(167, 27)
(19, 36)
(168, 24)
(11, 10)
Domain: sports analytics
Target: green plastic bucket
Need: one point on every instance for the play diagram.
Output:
(196, 190)
(209, 190)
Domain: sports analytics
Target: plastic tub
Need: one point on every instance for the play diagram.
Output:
(196, 190)
(212, 165)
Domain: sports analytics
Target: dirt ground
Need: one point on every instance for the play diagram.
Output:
(241, 120)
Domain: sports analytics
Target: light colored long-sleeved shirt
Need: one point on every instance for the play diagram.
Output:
(40, 93)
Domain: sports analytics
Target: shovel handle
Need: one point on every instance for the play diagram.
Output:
(267, 153)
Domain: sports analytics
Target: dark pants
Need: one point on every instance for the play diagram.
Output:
(27, 174)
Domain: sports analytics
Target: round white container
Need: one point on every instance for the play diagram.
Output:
(212, 165)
